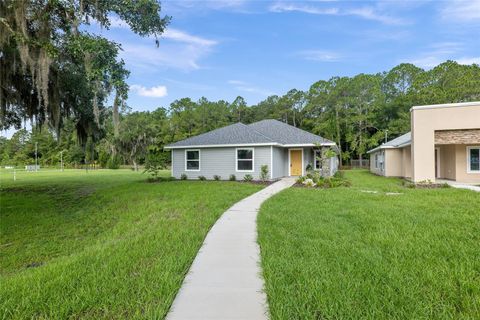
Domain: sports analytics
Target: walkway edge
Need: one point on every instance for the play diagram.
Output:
(224, 281)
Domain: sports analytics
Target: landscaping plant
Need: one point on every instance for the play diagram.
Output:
(248, 178)
(264, 173)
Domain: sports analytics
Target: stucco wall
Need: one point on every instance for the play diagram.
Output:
(393, 162)
(461, 165)
(447, 162)
(406, 162)
(219, 161)
(425, 121)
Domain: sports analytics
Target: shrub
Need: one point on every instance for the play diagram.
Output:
(301, 179)
(309, 167)
(183, 176)
(113, 163)
(155, 161)
(264, 173)
(202, 178)
(309, 183)
(339, 175)
(248, 178)
(232, 177)
(216, 177)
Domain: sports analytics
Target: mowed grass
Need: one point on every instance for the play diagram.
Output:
(102, 244)
(347, 254)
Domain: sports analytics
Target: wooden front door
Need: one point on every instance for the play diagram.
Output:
(295, 162)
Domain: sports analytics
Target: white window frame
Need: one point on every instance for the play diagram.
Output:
(315, 160)
(236, 159)
(469, 170)
(199, 160)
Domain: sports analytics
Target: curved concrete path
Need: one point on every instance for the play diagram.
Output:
(224, 281)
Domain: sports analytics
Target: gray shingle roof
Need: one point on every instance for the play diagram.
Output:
(286, 134)
(403, 140)
(237, 133)
(269, 132)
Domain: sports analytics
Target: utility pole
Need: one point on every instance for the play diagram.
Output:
(386, 135)
(36, 158)
(61, 160)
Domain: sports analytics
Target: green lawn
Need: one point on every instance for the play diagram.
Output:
(347, 254)
(101, 244)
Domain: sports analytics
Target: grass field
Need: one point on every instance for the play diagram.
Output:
(349, 254)
(101, 244)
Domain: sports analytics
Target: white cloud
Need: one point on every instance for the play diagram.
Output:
(181, 36)
(469, 60)
(319, 55)
(440, 52)
(371, 14)
(237, 82)
(179, 50)
(461, 11)
(153, 92)
(286, 7)
(367, 13)
(246, 87)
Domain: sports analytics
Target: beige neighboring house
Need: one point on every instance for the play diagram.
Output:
(444, 144)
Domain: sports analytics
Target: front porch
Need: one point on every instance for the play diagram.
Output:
(457, 163)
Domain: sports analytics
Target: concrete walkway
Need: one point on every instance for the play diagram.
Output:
(459, 185)
(224, 281)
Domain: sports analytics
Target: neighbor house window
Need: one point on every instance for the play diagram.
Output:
(317, 154)
(245, 159)
(192, 160)
(376, 161)
(473, 158)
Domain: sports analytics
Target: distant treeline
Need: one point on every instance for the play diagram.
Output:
(355, 112)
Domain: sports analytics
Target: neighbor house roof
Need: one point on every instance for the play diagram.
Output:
(265, 132)
(402, 141)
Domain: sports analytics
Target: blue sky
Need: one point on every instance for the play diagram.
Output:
(222, 49)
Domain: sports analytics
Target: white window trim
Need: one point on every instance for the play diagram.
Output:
(253, 159)
(315, 160)
(468, 159)
(289, 162)
(199, 160)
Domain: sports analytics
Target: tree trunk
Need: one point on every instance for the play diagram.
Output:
(116, 116)
(337, 125)
(135, 165)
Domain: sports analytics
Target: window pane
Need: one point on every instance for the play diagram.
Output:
(193, 164)
(317, 159)
(475, 159)
(245, 154)
(245, 164)
(193, 155)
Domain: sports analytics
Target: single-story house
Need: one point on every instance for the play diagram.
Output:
(444, 144)
(241, 149)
